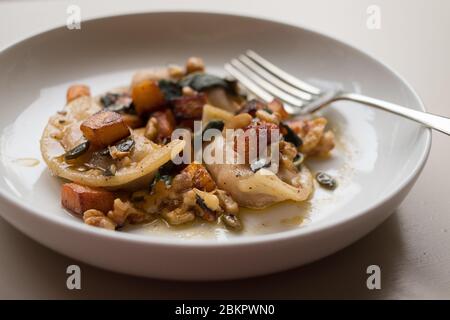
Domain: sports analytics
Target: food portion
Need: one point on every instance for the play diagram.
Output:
(90, 146)
(131, 156)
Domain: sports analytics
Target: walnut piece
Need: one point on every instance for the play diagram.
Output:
(195, 64)
(98, 219)
(151, 130)
(124, 211)
(178, 216)
(316, 140)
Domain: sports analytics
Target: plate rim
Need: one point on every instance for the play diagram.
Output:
(58, 221)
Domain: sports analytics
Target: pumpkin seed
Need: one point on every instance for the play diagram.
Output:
(167, 179)
(125, 145)
(109, 99)
(201, 203)
(231, 221)
(326, 181)
(78, 151)
(117, 103)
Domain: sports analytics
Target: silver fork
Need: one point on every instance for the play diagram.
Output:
(267, 81)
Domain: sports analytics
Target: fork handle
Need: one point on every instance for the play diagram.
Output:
(438, 123)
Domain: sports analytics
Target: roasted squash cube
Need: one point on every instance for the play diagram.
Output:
(104, 128)
(200, 177)
(147, 96)
(132, 121)
(78, 198)
(76, 91)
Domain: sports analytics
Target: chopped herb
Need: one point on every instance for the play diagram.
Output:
(326, 181)
(170, 89)
(168, 168)
(166, 178)
(291, 136)
(233, 87)
(165, 173)
(215, 124)
(122, 108)
(203, 81)
(268, 110)
(78, 151)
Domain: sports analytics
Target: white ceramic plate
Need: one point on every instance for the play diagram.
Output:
(377, 160)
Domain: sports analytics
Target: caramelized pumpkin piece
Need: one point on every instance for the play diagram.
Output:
(78, 198)
(132, 121)
(76, 91)
(147, 96)
(200, 177)
(104, 128)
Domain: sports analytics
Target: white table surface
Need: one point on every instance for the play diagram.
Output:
(412, 247)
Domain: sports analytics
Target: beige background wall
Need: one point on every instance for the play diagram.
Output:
(412, 247)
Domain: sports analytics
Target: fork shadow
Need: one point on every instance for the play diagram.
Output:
(342, 275)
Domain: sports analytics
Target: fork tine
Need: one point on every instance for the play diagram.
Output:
(249, 84)
(254, 88)
(266, 85)
(282, 74)
(274, 80)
